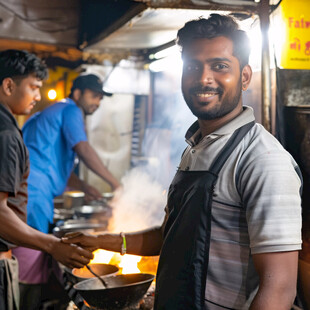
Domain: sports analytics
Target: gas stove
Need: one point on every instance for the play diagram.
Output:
(77, 299)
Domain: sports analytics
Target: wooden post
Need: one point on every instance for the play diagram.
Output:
(266, 80)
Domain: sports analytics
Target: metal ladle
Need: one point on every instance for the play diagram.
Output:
(97, 276)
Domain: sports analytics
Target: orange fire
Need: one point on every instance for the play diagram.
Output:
(127, 263)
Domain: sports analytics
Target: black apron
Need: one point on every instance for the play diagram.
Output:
(182, 269)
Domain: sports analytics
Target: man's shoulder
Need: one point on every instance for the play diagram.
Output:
(263, 139)
(56, 111)
(260, 144)
(7, 120)
(67, 106)
(11, 139)
(9, 129)
(9, 133)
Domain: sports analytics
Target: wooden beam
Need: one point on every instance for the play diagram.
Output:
(266, 79)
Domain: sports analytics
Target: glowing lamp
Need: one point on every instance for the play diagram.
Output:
(52, 94)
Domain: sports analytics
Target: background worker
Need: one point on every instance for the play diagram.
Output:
(232, 230)
(54, 137)
(21, 75)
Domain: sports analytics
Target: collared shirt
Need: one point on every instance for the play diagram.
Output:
(14, 166)
(50, 136)
(256, 206)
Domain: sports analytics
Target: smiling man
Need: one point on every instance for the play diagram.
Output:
(232, 230)
(21, 75)
(212, 80)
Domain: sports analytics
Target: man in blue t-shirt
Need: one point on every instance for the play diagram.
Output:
(54, 137)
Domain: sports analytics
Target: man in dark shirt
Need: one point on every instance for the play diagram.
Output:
(21, 75)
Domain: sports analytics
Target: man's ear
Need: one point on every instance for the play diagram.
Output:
(76, 94)
(8, 86)
(246, 76)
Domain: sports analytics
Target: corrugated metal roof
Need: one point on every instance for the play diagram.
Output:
(101, 28)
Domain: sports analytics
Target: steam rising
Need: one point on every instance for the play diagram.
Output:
(139, 205)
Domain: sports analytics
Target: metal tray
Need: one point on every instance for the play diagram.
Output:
(83, 226)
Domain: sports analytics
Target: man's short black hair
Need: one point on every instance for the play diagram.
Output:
(215, 26)
(20, 64)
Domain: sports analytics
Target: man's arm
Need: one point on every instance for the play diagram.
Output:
(14, 230)
(92, 161)
(91, 193)
(277, 280)
(144, 243)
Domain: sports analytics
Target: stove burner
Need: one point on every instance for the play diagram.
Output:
(72, 293)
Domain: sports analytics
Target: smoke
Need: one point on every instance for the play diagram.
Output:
(141, 202)
(139, 205)
(164, 139)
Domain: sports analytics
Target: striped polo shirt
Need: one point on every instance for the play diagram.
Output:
(256, 207)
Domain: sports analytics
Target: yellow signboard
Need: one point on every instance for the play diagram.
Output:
(296, 47)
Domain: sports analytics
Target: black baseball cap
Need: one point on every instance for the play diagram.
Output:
(89, 81)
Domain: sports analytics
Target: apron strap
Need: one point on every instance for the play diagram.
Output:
(229, 147)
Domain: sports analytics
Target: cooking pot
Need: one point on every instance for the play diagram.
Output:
(78, 225)
(122, 290)
(58, 202)
(108, 195)
(73, 199)
(62, 214)
(81, 274)
(93, 211)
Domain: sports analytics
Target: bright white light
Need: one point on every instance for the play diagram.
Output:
(102, 257)
(166, 52)
(129, 264)
(255, 37)
(276, 35)
(52, 94)
(171, 63)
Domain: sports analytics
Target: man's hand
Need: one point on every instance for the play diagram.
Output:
(70, 255)
(81, 239)
(91, 193)
(144, 243)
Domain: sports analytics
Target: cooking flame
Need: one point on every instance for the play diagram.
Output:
(127, 263)
(102, 257)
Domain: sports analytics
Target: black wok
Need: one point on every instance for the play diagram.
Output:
(123, 290)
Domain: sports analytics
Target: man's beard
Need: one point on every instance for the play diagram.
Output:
(223, 108)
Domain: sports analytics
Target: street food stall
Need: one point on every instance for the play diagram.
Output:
(130, 44)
